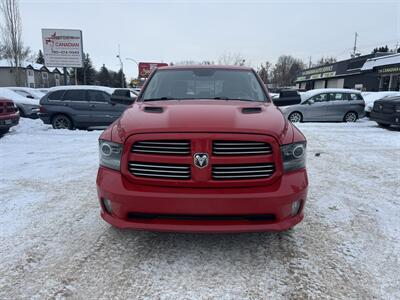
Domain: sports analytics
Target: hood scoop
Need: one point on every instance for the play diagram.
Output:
(153, 109)
(251, 110)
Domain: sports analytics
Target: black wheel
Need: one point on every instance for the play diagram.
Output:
(384, 125)
(4, 131)
(62, 122)
(351, 116)
(295, 117)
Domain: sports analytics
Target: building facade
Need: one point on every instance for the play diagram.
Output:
(373, 72)
(31, 75)
(387, 69)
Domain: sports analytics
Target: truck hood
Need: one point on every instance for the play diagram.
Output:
(202, 116)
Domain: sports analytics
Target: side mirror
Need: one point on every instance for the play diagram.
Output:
(311, 101)
(122, 96)
(287, 98)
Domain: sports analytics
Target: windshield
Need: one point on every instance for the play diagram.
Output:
(203, 83)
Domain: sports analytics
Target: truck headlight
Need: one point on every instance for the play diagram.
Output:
(110, 154)
(293, 156)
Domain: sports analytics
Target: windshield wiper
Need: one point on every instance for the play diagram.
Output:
(159, 99)
(236, 99)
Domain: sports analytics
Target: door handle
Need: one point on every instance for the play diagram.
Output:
(92, 105)
(66, 104)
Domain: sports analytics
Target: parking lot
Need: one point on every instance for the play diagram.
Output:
(53, 243)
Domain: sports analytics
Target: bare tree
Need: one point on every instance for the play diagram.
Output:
(228, 58)
(325, 61)
(285, 70)
(11, 31)
(264, 71)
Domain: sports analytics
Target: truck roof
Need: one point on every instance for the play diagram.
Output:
(216, 67)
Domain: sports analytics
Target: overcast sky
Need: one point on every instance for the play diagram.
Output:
(172, 31)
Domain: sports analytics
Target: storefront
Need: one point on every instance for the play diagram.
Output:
(389, 78)
(387, 69)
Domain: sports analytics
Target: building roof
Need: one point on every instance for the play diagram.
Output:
(347, 67)
(216, 67)
(387, 60)
(5, 63)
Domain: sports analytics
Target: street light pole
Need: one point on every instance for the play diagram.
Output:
(131, 59)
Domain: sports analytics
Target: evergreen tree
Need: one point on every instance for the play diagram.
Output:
(103, 76)
(40, 58)
(87, 74)
(381, 49)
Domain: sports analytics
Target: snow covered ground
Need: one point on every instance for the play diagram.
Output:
(54, 245)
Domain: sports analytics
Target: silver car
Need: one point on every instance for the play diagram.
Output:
(327, 105)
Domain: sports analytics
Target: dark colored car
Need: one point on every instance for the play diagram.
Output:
(386, 112)
(203, 149)
(9, 115)
(79, 107)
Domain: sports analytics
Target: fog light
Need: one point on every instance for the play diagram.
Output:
(107, 205)
(296, 207)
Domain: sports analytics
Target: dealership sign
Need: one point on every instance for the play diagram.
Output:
(317, 73)
(145, 68)
(62, 48)
(389, 70)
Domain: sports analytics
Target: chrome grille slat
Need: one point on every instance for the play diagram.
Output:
(238, 144)
(240, 152)
(162, 147)
(157, 170)
(159, 147)
(242, 167)
(161, 175)
(237, 172)
(244, 172)
(151, 165)
(165, 143)
(241, 148)
(160, 151)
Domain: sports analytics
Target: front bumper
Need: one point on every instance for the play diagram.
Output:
(128, 198)
(30, 110)
(385, 118)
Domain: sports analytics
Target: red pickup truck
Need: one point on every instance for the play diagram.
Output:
(9, 115)
(202, 149)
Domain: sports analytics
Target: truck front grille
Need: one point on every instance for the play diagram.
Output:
(162, 147)
(241, 148)
(158, 170)
(243, 172)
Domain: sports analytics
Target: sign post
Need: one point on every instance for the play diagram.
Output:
(63, 48)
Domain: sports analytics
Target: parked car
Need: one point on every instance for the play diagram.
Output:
(371, 97)
(28, 108)
(9, 115)
(327, 105)
(386, 112)
(29, 93)
(202, 149)
(43, 90)
(82, 107)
